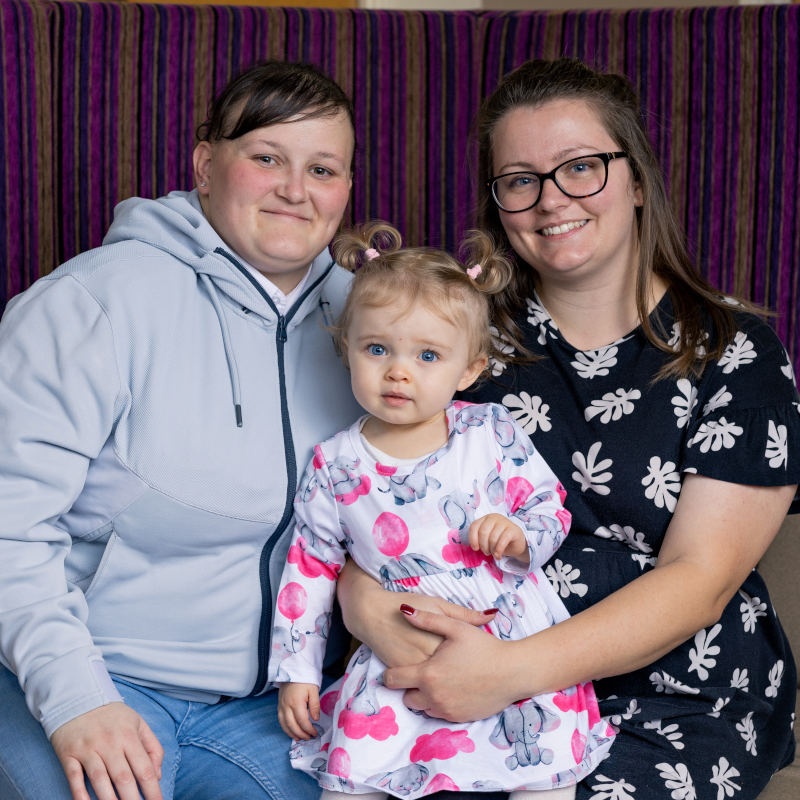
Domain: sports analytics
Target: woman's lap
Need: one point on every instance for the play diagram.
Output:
(212, 752)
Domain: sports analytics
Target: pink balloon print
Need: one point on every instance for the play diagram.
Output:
(292, 601)
(518, 490)
(339, 762)
(390, 534)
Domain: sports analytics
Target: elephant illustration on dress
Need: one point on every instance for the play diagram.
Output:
(519, 726)
(510, 608)
(495, 487)
(286, 642)
(408, 567)
(517, 448)
(347, 483)
(470, 416)
(403, 781)
(415, 485)
(530, 519)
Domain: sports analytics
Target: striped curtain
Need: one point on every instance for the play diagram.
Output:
(99, 101)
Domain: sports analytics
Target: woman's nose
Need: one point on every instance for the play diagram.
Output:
(551, 196)
(293, 186)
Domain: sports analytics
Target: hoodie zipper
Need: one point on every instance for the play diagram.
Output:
(281, 336)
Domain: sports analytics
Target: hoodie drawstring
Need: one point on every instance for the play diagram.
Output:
(233, 370)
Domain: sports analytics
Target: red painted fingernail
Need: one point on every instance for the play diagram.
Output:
(409, 611)
(491, 611)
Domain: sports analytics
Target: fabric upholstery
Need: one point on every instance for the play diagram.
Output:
(99, 101)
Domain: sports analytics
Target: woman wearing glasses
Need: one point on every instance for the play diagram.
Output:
(670, 414)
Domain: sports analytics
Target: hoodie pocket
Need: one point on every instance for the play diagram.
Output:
(91, 589)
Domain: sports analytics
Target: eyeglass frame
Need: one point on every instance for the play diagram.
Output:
(606, 158)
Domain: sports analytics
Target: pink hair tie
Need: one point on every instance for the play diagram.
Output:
(371, 254)
(474, 271)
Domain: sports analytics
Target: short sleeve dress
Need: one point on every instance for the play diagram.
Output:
(713, 718)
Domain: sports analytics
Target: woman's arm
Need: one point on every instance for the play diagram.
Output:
(373, 616)
(718, 533)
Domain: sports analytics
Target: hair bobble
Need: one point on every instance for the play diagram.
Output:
(474, 271)
(371, 253)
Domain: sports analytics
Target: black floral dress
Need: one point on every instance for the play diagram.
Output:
(711, 719)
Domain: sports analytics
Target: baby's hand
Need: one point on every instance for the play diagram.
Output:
(497, 536)
(296, 701)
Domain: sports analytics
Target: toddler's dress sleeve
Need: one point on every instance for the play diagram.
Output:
(533, 495)
(305, 597)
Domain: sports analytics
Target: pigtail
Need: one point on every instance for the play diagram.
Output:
(353, 249)
(493, 274)
(485, 263)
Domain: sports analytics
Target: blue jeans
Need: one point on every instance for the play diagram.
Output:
(227, 751)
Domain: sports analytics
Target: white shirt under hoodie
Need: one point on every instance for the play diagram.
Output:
(155, 409)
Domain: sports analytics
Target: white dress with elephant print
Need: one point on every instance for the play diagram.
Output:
(407, 527)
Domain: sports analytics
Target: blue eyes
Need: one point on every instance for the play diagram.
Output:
(428, 356)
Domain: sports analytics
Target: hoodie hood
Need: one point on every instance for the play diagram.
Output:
(177, 225)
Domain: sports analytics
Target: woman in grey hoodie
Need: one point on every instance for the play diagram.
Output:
(156, 396)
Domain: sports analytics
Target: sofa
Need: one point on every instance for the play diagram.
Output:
(779, 568)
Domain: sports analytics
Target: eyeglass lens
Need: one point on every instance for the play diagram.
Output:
(578, 177)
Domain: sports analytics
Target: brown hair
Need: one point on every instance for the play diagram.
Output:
(662, 248)
(269, 93)
(385, 272)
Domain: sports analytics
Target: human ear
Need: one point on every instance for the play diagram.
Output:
(472, 372)
(201, 160)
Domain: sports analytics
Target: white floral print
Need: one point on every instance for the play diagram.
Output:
(748, 732)
(740, 679)
(788, 369)
(738, 353)
(590, 474)
(591, 363)
(529, 412)
(722, 774)
(752, 608)
(564, 578)
(678, 779)
(674, 341)
(775, 679)
(608, 789)
(612, 405)
(627, 534)
(716, 434)
(719, 704)
(629, 713)
(663, 483)
(721, 398)
(671, 732)
(684, 402)
(777, 449)
(665, 683)
(540, 319)
(504, 347)
(702, 654)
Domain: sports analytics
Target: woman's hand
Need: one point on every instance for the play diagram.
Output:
(115, 749)
(373, 616)
(460, 681)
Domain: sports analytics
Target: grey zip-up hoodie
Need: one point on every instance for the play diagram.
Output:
(155, 410)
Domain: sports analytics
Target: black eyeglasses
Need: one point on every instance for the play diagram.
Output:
(578, 177)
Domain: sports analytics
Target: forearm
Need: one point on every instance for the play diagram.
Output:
(373, 616)
(627, 630)
(718, 534)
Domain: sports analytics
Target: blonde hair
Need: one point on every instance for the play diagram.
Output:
(385, 272)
